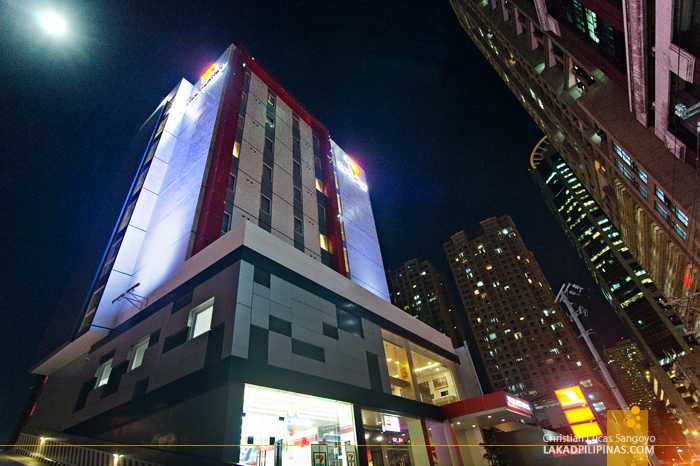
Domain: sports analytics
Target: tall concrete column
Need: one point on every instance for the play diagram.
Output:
(635, 19)
(664, 33)
(418, 437)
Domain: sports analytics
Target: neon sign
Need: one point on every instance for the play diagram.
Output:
(570, 397)
(352, 170)
(208, 77)
(518, 404)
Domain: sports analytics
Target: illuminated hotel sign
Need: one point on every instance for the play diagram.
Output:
(517, 404)
(570, 397)
(208, 77)
(579, 415)
(352, 170)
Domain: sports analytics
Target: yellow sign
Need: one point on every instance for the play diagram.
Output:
(579, 415)
(571, 397)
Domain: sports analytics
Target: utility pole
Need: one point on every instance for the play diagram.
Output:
(574, 315)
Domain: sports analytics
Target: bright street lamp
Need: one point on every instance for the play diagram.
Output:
(53, 24)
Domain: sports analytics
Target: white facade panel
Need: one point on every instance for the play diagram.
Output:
(364, 255)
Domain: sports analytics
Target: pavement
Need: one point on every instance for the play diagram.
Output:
(10, 459)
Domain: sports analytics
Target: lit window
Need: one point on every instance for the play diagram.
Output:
(103, 373)
(319, 185)
(271, 99)
(298, 226)
(236, 149)
(476, 292)
(269, 122)
(137, 352)
(200, 319)
(324, 243)
(480, 283)
(265, 204)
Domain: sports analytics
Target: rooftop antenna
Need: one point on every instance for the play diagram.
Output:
(139, 302)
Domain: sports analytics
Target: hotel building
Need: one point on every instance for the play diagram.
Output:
(241, 314)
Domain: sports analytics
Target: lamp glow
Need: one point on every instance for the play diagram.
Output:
(53, 23)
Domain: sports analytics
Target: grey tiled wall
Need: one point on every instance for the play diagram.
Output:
(344, 359)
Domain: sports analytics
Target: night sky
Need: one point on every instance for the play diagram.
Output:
(399, 85)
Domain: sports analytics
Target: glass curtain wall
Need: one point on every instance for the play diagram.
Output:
(418, 374)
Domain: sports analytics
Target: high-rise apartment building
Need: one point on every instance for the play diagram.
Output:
(524, 338)
(421, 290)
(629, 365)
(614, 85)
(240, 313)
(656, 329)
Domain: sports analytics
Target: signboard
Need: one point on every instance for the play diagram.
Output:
(350, 168)
(351, 455)
(571, 397)
(319, 455)
(390, 424)
(516, 404)
(208, 77)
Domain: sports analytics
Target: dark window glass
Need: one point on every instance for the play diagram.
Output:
(349, 322)
(267, 172)
(298, 226)
(297, 194)
(265, 204)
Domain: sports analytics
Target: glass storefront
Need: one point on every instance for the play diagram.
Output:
(278, 427)
(424, 375)
(388, 438)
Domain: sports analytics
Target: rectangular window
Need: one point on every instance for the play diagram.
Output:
(267, 172)
(200, 319)
(349, 322)
(660, 194)
(265, 204)
(271, 99)
(298, 226)
(138, 351)
(127, 216)
(103, 373)
(236, 149)
(297, 194)
(681, 216)
(269, 146)
(679, 230)
(232, 182)
(319, 185)
(297, 169)
(226, 223)
(240, 122)
(324, 243)
(269, 122)
(661, 210)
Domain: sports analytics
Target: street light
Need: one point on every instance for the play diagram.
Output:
(53, 23)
